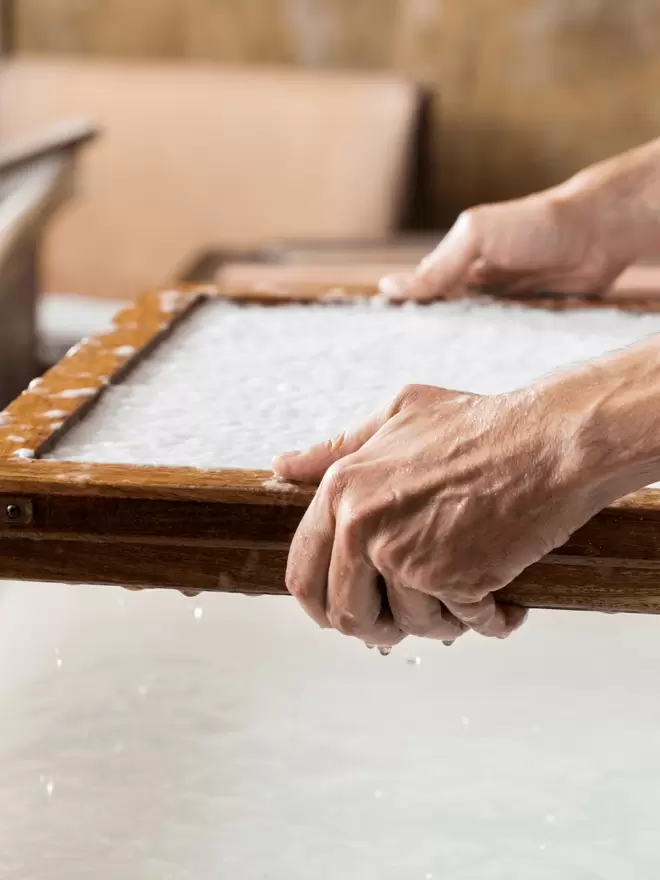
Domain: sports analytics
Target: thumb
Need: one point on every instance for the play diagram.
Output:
(442, 273)
(310, 466)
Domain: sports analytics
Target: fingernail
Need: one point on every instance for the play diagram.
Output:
(385, 652)
(391, 287)
(284, 456)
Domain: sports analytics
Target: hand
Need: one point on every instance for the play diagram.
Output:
(573, 239)
(448, 497)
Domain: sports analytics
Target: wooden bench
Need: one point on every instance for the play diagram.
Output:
(194, 154)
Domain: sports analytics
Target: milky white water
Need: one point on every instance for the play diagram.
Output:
(149, 736)
(236, 385)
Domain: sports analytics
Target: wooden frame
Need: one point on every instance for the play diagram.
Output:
(403, 249)
(230, 530)
(364, 263)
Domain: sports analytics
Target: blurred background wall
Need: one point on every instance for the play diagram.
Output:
(522, 92)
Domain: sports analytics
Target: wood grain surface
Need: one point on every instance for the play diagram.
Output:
(184, 144)
(522, 93)
(230, 530)
(65, 393)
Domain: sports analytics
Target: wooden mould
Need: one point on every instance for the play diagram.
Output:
(230, 530)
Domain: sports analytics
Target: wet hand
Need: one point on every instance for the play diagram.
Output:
(426, 510)
(562, 241)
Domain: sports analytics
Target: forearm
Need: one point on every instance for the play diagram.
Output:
(622, 196)
(607, 415)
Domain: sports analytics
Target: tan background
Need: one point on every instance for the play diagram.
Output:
(524, 91)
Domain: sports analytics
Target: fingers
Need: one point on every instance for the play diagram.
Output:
(565, 284)
(311, 466)
(355, 604)
(487, 617)
(500, 282)
(418, 614)
(495, 280)
(309, 559)
(333, 580)
(393, 287)
(443, 273)
(337, 585)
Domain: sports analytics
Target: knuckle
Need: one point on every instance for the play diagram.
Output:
(335, 478)
(345, 492)
(381, 560)
(345, 622)
(298, 587)
(351, 515)
(414, 626)
(595, 276)
(408, 395)
(467, 220)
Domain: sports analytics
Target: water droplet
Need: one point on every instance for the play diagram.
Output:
(428, 877)
(59, 662)
(378, 793)
(465, 720)
(197, 613)
(550, 818)
(50, 786)
(542, 846)
(413, 661)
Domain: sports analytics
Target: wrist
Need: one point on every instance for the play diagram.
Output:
(620, 199)
(604, 419)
